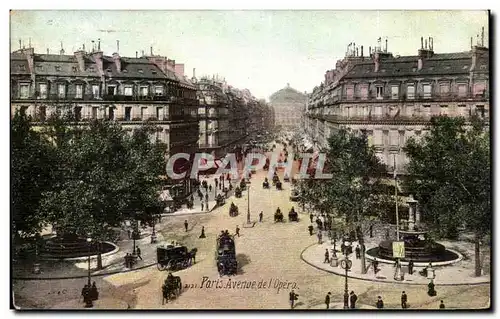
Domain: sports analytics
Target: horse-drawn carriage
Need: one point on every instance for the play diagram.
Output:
(278, 216)
(265, 184)
(243, 184)
(275, 178)
(233, 210)
(293, 216)
(279, 186)
(174, 257)
(225, 255)
(221, 200)
(171, 288)
(286, 178)
(237, 192)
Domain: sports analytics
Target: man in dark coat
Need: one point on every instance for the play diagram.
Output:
(311, 216)
(358, 252)
(237, 231)
(94, 294)
(186, 225)
(352, 300)
(138, 252)
(202, 232)
(260, 216)
(410, 267)
(404, 300)
(441, 305)
(380, 303)
(293, 297)
(311, 228)
(327, 300)
(327, 257)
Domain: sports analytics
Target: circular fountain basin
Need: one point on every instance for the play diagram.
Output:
(58, 248)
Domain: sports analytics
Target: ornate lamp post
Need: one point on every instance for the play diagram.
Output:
(346, 264)
(248, 204)
(87, 298)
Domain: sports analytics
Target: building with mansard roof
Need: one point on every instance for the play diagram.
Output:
(92, 85)
(288, 105)
(392, 98)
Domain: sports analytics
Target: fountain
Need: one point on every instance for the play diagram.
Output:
(418, 247)
(69, 246)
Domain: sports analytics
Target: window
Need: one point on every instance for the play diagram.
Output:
(39, 67)
(111, 113)
(378, 110)
(95, 91)
(43, 90)
(61, 91)
(94, 112)
(74, 69)
(377, 137)
(364, 92)
(158, 90)
(24, 91)
(350, 92)
(42, 113)
(462, 90)
(444, 109)
(22, 67)
(444, 89)
(479, 89)
(394, 92)
(158, 113)
(78, 113)
(480, 111)
(58, 68)
(128, 91)
(427, 109)
(201, 110)
(79, 91)
(410, 92)
(380, 92)
(144, 91)
(393, 138)
(427, 91)
(144, 113)
(128, 111)
(111, 89)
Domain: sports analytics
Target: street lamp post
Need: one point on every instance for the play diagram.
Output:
(248, 204)
(346, 264)
(89, 241)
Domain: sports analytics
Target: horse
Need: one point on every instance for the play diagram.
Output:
(171, 288)
(192, 255)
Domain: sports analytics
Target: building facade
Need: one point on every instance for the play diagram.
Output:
(94, 86)
(288, 105)
(392, 98)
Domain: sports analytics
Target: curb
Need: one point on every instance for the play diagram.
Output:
(385, 281)
(82, 276)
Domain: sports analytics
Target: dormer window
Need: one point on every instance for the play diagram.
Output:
(380, 92)
(74, 69)
(154, 72)
(58, 68)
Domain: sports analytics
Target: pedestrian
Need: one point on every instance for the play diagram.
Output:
(210, 188)
(441, 305)
(186, 225)
(138, 252)
(129, 232)
(404, 300)
(327, 300)
(375, 266)
(327, 257)
(206, 197)
(207, 206)
(216, 182)
(311, 228)
(311, 216)
(94, 294)
(320, 238)
(85, 291)
(352, 300)
(371, 231)
(358, 252)
(293, 297)
(237, 231)
(380, 303)
(202, 206)
(410, 267)
(260, 216)
(202, 232)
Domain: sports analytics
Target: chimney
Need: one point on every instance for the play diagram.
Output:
(151, 49)
(386, 45)
(426, 44)
(179, 69)
(377, 62)
(98, 44)
(422, 43)
(80, 58)
(370, 50)
(470, 42)
(29, 40)
(48, 51)
(361, 51)
(136, 54)
(62, 49)
(420, 64)
(21, 46)
(98, 61)
(84, 47)
(117, 46)
(431, 44)
(30, 56)
(194, 73)
(142, 52)
(118, 63)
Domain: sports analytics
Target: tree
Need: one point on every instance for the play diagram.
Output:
(449, 173)
(356, 187)
(32, 173)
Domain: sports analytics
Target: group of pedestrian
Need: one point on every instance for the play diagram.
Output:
(353, 298)
(90, 293)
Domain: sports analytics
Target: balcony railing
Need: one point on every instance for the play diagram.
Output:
(90, 97)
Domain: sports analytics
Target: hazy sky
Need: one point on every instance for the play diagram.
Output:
(258, 50)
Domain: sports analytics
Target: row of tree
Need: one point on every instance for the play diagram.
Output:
(448, 173)
(83, 180)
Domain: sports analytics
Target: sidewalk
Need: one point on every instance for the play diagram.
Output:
(460, 273)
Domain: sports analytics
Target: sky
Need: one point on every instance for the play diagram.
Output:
(258, 50)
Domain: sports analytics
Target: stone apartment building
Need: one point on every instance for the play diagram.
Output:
(392, 98)
(92, 85)
(288, 105)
